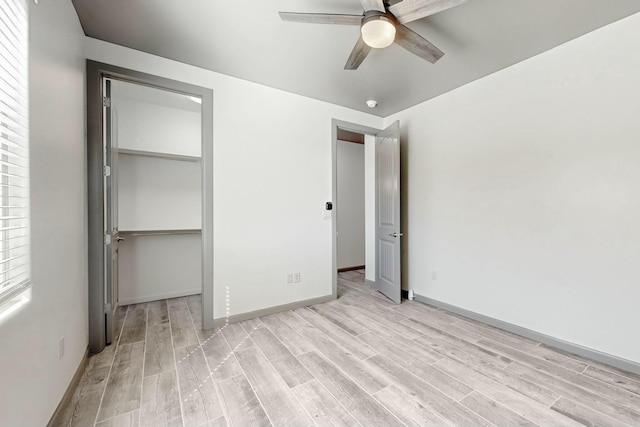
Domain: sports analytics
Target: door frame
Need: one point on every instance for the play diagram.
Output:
(96, 71)
(354, 127)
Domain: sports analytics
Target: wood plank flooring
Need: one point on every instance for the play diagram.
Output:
(357, 361)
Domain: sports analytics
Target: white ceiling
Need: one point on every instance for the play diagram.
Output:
(247, 39)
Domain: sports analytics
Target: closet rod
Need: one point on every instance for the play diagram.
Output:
(159, 232)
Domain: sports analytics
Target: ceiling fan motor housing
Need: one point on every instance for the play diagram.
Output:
(378, 28)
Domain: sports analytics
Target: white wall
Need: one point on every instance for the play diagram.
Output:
(350, 205)
(157, 267)
(149, 127)
(270, 186)
(33, 378)
(522, 191)
(370, 206)
(158, 194)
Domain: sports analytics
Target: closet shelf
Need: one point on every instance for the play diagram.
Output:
(156, 154)
(177, 232)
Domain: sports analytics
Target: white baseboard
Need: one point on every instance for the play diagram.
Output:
(156, 297)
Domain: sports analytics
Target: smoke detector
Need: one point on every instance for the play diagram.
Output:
(372, 103)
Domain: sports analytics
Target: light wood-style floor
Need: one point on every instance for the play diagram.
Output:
(357, 361)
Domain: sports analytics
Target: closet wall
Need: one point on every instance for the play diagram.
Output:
(350, 204)
(159, 194)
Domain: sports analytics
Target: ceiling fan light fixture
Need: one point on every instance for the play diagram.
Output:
(378, 31)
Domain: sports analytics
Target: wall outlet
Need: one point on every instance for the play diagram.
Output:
(61, 348)
(289, 278)
(434, 275)
(296, 277)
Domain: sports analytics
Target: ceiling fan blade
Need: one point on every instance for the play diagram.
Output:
(368, 5)
(321, 18)
(358, 54)
(411, 10)
(417, 45)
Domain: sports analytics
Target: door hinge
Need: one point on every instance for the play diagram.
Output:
(107, 308)
(107, 170)
(107, 239)
(106, 102)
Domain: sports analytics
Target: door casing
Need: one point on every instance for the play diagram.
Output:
(96, 71)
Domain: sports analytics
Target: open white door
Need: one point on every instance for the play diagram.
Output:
(388, 212)
(112, 237)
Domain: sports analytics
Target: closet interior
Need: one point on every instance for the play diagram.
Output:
(157, 158)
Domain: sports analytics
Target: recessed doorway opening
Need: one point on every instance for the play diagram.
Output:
(366, 189)
(355, 204)
(149, 179)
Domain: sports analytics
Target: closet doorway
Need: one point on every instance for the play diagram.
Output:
(156, 193)
(153, 155)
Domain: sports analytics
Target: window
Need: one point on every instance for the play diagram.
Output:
(14, 153)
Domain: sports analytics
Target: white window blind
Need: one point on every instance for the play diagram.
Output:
(14, 149)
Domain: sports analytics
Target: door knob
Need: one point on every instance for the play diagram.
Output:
(396, 234)
(119, 239)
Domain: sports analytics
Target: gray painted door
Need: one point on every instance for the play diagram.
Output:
(388, 212)
(111, 214)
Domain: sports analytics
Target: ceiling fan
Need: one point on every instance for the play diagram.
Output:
(381, 24)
